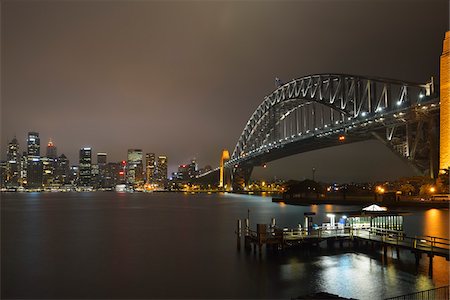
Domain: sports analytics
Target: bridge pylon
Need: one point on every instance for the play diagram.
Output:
(444, 135)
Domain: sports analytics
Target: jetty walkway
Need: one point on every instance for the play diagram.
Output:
(279, 239)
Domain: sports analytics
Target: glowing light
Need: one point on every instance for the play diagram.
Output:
(399, 103)
(342, 138)
(432, 189)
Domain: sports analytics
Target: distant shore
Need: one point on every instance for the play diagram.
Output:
(355, 200)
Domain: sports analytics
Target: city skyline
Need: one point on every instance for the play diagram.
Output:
(141, 89)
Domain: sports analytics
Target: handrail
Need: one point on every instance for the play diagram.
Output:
(435, 293)
(374, 233)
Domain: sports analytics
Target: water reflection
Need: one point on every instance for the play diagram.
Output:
(165, 245)
(436, 223)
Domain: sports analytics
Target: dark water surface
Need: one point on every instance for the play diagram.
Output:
(165, 245)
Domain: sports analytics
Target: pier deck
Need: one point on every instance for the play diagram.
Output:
(278, 238)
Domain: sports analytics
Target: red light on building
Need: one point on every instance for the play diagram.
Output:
(122, 173)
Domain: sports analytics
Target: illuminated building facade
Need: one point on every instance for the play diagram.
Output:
(444, 139)
(114, 174)
(13, 164)
(150, 168)
(135, 174)
(51, 150)
(48, 166)
(34, 163)
(62, 170)
(101, 163)
(85, 172)
(183, 173)
(193, 169)
(161, 170)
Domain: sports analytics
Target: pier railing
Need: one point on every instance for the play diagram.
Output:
(432, 245)
(431, 294)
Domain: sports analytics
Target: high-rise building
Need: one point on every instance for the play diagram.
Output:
(114, 174)
(3, 174)
(192, 172)
(135, 170)
(74, 174)
(62, 170)
(150, 167)
(101, 163)
(85, 173)
(183, 173)
(161, 170)
(23, 169)
(51, 150)
(34, 163)
(13, 164)
(48, 166)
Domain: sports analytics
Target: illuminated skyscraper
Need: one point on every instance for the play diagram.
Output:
(13, 164)
(150, 167)
(34, 163)
(51, 150)
(135, 170)
(161, 170)
(101, 163)
(48, 174)
(85, 173)
(193, 168)
(62, 170)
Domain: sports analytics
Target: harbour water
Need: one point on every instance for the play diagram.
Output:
(173, 245)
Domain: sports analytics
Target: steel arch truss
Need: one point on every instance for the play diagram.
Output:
(317, 105)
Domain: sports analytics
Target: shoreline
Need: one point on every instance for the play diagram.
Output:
(359, 202)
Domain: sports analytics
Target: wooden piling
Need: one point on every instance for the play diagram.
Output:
(430, 265)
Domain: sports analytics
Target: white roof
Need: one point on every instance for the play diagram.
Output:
(374, 207)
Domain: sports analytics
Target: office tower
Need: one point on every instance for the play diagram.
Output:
(95, 176)
(3, 174)
(85, 175)
(192, 169)
(161, 170)
(51, 150)
(183, 172)
(13, 164)
(48, 166)
(74, 174)
(114, 174)
(62, 170)
(101, 163)
(150, 167)
(134, 167)
(23, 169)
(34, 164)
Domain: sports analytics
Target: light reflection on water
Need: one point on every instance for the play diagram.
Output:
(103, 245)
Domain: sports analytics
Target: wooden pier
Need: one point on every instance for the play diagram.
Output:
(277, 238)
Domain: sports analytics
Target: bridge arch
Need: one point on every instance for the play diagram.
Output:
(321, 105)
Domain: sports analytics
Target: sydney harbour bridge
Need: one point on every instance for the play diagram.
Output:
(325, 110)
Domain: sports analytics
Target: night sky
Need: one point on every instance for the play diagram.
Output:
(182, 78)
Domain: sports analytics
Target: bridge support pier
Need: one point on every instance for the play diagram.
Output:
(397, 250)
(418, 256)
(430, 266)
